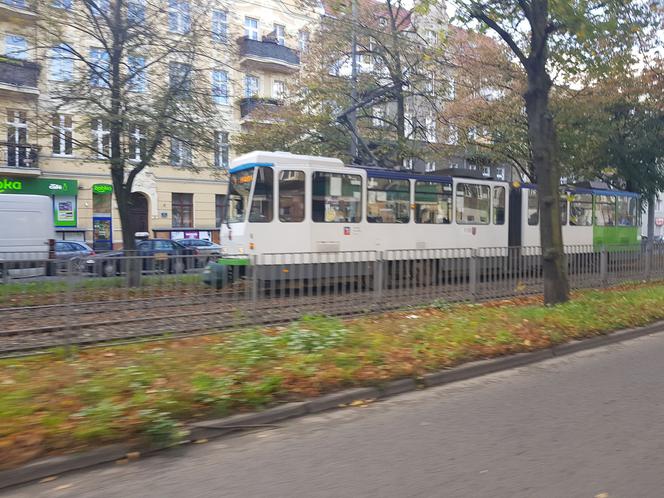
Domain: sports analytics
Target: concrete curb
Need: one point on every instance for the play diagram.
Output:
(211, 429)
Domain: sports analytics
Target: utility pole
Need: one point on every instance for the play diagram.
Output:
(352, 117)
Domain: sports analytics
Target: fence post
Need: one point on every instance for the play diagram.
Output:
(472, 275)
(648, 262)
(603, 267)
(253, 282)
(378, 279)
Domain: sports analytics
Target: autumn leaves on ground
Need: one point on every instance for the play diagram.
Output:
(69, 401)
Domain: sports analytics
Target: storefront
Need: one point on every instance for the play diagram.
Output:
(102, 217)
(62, 192)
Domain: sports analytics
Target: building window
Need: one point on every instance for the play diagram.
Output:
(135, 11)
(179, 20)
(278, 89)
(433, 203)
(430, 128)
(250, 86)
(219, 209)
(101, 139)
(336, 197)
(486, 171)
(303, 38)
(251, 28)
(263, 199)
(16, 47)
(382, 22)
(378, 118)
(61, 4)
(450, 90)
(62, 65)
(291, 196)
(221, 149)
(220, 87)
(472, 204)
(453, 135)
(63, 132)
(17, 135)
(220, 26)
(99, 68)
(136, 145)
(183, 210)
(408, 163)
(500, 173)
(430, 166)
(180, 153)
(180, 79)
(280, 33)
(138, 78)
(388, 201)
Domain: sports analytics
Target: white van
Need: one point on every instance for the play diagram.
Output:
(27, 233)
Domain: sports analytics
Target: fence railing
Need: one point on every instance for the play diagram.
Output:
(93, 299)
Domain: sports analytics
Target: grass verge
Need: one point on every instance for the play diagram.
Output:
(60, 403)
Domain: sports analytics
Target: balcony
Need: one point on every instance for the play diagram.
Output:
(19, 159)
(250, 105)
(21, 10)
(19, 76)
(268, 55)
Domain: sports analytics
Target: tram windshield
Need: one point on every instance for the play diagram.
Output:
(239, 187)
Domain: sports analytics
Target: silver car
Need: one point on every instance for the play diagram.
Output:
(71, 250)
(206, 249)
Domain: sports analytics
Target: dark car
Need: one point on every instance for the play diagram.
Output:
(71, 254)
(156, 255)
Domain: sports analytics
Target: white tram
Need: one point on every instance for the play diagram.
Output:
(285, 203)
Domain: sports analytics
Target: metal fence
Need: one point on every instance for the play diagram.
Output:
(46, 303)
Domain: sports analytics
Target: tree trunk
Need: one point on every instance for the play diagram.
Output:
(542, 136)
(132, 264)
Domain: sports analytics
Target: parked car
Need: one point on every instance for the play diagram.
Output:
(209, 250)
(72, 253)
(157, 255)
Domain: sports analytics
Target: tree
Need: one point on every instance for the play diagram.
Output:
(395, 106)
(144, 87)
(550, 38)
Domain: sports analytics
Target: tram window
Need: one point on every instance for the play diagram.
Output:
(498, 205)
(388, 201)
(291, 196)
(263, 198)
(433, 202)
(336, 197)
(563, 211)
(472, 204)
(626, 208)
(533, 207)
(605, 210)
(581, 210)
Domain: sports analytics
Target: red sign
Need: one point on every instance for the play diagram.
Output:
(659, 221)
(346, 230)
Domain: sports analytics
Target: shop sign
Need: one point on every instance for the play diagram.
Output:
(38, 186)
(102, 188)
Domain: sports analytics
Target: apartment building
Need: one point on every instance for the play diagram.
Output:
(259, 44)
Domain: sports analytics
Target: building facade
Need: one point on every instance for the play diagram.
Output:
(259, 45)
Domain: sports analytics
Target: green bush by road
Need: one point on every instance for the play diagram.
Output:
(66, 402)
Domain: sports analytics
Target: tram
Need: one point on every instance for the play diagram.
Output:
(285, 204)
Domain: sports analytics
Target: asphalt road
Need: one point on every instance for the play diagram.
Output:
(585, 425)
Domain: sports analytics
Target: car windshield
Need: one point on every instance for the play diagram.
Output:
(239, 186)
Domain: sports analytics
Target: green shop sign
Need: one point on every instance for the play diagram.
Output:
(38, 186)
(102, 188)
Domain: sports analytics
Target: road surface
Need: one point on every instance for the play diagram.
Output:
(585, 425)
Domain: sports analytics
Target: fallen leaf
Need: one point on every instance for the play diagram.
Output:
(133, 455)
(49, 479)
(63, 486)
(200, 441)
